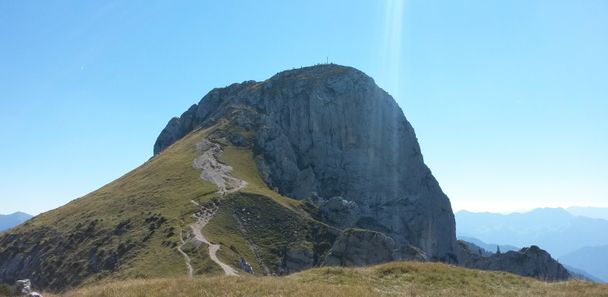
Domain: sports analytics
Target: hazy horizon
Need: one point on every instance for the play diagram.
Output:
(455, 211)
(508, 100)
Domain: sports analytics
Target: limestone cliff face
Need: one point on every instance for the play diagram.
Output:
(329, 131)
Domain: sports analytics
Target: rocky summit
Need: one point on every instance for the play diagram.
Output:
(315, 166)
(329, 133)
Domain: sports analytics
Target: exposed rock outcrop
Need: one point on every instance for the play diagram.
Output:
(357, 247)
(531, 261)
(339, 212)
(24, 288)
(361, 248)
(332, 131)
(245, 266)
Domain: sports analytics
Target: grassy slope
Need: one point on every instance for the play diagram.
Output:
(152, 204)
(273, 223)
(392, 279)
(245, 168)
(137, 217)
(272, 228)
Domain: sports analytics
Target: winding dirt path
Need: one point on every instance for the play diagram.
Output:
(186, 257)
(203, 217)
(219, 174)
(213, 171)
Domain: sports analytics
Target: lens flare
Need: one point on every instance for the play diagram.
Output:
(391, 53)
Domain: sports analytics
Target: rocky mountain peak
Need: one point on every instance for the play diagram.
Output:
(232, 165)
(327, 76)
(329, 131)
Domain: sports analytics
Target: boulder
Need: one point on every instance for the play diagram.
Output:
(24, 287)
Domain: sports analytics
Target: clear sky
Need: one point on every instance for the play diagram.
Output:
(509, 99)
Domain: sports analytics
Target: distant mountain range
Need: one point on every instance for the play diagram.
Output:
(578, 241)
(489, 247)
(593, 260)
(590, 212)
(582, 274)
(554, 229)
(12, 220)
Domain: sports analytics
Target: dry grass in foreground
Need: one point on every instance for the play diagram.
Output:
(393, 279)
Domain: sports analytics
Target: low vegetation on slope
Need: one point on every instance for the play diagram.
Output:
(269, 236)
(273, 233)
(128, 228)
(393, 279)
(131, 227)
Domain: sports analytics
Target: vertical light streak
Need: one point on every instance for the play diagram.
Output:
(392, 50)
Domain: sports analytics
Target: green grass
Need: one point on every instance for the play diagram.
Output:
(244, 167)
(130, 228)
(275, 223)
(138, 219)
(268, 225)
(133, 223)
(392, 279)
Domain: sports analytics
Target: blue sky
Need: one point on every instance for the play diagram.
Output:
(509, 99)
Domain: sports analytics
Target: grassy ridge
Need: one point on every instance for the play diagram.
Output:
(258, 224)
(392, 279)
(128, 228)
(244, 167)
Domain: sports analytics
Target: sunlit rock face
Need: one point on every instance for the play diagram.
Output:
(329, 131)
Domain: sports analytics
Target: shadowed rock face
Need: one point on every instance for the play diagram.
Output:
(532, 261)
(356, 247)
(361, 248)
(330, 131)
